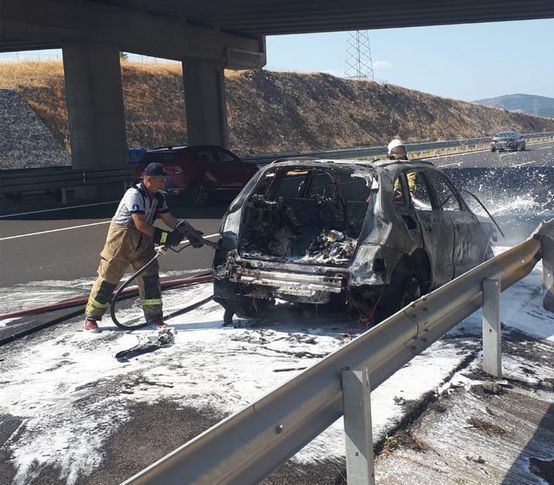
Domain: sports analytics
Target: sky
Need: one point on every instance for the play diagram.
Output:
(467, 62)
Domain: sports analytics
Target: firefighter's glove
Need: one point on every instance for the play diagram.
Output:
(195, 239)
(167, 238)
(174, 238)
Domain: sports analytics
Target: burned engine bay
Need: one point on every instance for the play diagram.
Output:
(307, 215)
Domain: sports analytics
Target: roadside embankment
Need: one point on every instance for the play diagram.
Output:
(270, 112)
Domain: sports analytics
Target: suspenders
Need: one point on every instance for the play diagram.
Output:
(155, 202)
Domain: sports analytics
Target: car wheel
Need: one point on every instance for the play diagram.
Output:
(252, 307)
(492, 149)
(198, 194)
(411, 290)
(228, 316)
(405, 287)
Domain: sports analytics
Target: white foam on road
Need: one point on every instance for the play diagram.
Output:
(72, 394)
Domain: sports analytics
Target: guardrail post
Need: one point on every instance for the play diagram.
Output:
(547, 241)
(357, 427)
(492, 333)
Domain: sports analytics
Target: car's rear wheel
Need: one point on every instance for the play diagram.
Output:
(411, 290)
(198, 194)
(405, 287)
(246, 307)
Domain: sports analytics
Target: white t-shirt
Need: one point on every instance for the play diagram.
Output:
(137, 200)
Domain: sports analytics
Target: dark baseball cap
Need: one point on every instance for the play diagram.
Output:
(154, 169)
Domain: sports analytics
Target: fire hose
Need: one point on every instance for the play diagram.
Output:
(124, 291)
(82, 300)
(190, 232)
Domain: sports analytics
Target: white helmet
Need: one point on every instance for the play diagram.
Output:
(394, 144)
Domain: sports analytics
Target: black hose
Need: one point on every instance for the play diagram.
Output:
(126, 283)
(189, 308)
(188, 229)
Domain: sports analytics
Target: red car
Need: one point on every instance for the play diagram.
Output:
(196, 172)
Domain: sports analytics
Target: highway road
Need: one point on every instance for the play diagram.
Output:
(65, 244)
(144, 404)
(539, 155)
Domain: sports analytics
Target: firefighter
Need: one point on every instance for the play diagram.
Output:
(130, 242)
(397, 151)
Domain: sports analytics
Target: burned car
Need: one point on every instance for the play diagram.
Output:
(371, 236)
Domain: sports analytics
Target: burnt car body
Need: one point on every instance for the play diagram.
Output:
(507, 140)
(370, 235)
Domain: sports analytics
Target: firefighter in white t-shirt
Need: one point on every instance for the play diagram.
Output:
(130, 242)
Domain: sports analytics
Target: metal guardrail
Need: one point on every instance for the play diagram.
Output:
(41, 179)
(265, 158)
(44, 179)
(251, 443)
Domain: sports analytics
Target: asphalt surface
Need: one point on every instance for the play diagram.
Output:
(33, 248)
(37, 244)
(65, 245)
(539, 155)
(494, 431)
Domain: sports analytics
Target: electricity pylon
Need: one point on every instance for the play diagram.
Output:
(359, 64)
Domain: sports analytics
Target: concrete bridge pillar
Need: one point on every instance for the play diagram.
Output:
(94, 99)
(206, 112)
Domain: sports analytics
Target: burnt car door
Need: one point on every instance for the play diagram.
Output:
(436, 225)
(471, 239)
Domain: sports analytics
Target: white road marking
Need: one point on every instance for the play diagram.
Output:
(54, 230)
(67, 229)
(450, 164)
(524, 163)
(58, 209)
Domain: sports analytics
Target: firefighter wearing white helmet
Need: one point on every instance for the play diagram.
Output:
(397, 150)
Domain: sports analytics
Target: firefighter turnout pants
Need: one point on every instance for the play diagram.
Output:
(126, 246)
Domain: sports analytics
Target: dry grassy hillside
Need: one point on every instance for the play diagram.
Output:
(273, 111)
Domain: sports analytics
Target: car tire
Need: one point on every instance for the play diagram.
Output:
(492, 149)
(198, 194)
(405, 287)
(228, 316)
(246, 307)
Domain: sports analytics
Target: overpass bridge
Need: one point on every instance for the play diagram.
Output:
(207, 37)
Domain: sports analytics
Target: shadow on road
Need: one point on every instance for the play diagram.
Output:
(533, 457)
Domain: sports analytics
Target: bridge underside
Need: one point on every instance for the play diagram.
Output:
(303, 16)
(252, 18)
